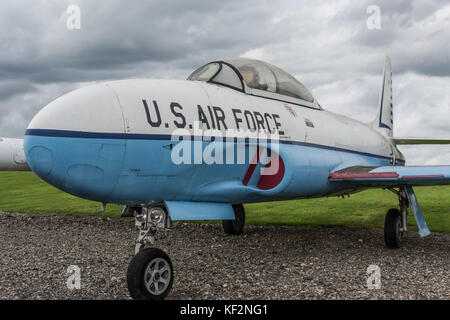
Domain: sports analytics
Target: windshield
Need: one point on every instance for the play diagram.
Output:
(205, 73)
(219, 73)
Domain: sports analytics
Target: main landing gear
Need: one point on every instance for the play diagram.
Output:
(236, 226)
(396, 221)
(150, 272)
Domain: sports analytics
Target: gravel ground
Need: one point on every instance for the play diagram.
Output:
(264, 263)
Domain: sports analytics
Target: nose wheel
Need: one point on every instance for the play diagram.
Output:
(150, 275)
(150, 272)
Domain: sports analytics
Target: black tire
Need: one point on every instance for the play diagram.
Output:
(392, 226)
(236, 226)
(137, 274)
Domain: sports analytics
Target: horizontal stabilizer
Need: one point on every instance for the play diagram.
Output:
(418, 141)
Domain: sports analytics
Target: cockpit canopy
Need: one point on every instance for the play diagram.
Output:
(264, 79)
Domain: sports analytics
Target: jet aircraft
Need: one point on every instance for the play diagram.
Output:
(236, 131)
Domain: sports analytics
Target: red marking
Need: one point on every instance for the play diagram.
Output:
(249, 173)
(267, 181)
(291, 111)
(428, 176)
(364, 175)
(252, 167)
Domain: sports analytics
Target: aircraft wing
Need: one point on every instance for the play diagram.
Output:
(392, 176)
(417, 141)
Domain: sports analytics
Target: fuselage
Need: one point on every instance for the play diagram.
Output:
(115, 142)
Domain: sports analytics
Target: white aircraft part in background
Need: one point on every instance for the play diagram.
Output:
(12, 156)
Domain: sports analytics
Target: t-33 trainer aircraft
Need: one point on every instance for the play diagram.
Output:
(236, 131)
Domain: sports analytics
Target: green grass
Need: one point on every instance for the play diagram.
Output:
(24, 192)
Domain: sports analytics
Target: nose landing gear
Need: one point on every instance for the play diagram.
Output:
(150, 272)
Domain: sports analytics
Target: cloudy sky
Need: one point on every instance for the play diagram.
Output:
(325, 44)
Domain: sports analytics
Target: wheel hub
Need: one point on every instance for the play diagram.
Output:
(157, 276)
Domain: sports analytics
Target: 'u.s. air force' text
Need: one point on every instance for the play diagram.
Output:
(213, 117)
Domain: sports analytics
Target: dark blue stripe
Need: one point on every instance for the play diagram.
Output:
(94, 135)
(141, 136)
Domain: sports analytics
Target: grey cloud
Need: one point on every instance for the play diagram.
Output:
(11, 88)
(121, 33)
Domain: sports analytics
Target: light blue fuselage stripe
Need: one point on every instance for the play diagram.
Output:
(131, 136)
(128, 169)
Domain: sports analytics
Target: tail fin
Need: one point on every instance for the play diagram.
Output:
(384, 120)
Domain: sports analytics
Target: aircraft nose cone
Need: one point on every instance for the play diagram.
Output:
(90, 109)
(66, 142)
